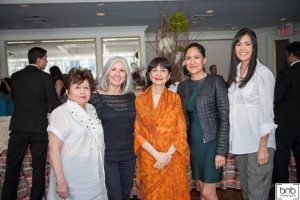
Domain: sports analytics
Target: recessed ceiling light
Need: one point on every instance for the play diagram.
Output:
(234, 28)
(227, 25)
(35, 15)
(100, 4)
(210, 11)
(24, 5)
(100, 14)
(283, 19)
(73, 24)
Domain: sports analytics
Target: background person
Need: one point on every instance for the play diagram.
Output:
(160, 138)
(205, 102)
(6, 103)
(213, 70)
(31, 90)
(287, 110)
(114, 102)
(58, 80)
(76, 144)
(252, 128)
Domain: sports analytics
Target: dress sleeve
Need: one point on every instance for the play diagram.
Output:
(180, 139)
(58, 124)
(266, 95)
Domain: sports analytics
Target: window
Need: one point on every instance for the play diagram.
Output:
(65, 53)
(128, 47)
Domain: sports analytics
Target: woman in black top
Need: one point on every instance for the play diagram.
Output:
(114, 102)
(58, 81)
(205, 103)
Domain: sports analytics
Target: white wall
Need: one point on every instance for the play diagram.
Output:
(72, 33)
(218, 46)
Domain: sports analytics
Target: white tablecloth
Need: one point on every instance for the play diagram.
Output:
(4, 132)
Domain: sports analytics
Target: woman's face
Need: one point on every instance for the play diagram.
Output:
(159, 75)
(80, 92)
(194, 61)
(244, 49)
(117, 74)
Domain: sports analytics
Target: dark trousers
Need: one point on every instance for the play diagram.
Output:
(119, 179)
(284, 145)
(17, 147)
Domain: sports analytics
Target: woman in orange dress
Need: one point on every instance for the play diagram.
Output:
(160, 138)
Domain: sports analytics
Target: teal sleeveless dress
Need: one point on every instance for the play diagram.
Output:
(202, 154)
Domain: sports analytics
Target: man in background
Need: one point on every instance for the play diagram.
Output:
(31, 89)
(287, 113)
(213, 70)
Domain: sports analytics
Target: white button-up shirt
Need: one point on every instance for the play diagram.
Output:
(251, 111)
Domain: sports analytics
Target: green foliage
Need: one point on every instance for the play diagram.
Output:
(178, 22)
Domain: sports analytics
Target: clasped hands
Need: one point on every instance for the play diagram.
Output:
(163, 158)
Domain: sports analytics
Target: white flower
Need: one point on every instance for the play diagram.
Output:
(165, 45)
(178, 56)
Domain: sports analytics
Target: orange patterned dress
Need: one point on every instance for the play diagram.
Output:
(161, 127)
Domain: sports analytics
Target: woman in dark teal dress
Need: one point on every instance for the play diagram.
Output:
(205, 102)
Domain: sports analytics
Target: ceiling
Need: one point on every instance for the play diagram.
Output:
(228, 14)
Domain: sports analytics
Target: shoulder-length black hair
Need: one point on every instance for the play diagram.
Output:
(164, 63)
(234, 61)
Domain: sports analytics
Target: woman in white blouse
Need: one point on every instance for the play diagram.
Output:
(252, 139)
(76, 144)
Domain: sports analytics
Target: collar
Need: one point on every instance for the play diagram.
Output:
(88, 119)
(295, 62)
(34, 65)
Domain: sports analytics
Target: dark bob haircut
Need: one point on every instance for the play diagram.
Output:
(78, 75)
(164, 63)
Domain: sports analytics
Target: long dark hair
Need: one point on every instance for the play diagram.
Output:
(234, 61)
(56, 73)
(164, 63)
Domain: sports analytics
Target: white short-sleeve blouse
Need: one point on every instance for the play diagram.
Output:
(82, 152)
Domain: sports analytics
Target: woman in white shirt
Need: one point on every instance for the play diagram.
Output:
(252, 128)
(76, 144)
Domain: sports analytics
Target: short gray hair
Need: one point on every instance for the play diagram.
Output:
(126, 87)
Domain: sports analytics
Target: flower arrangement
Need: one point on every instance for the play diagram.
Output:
(171, 39)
